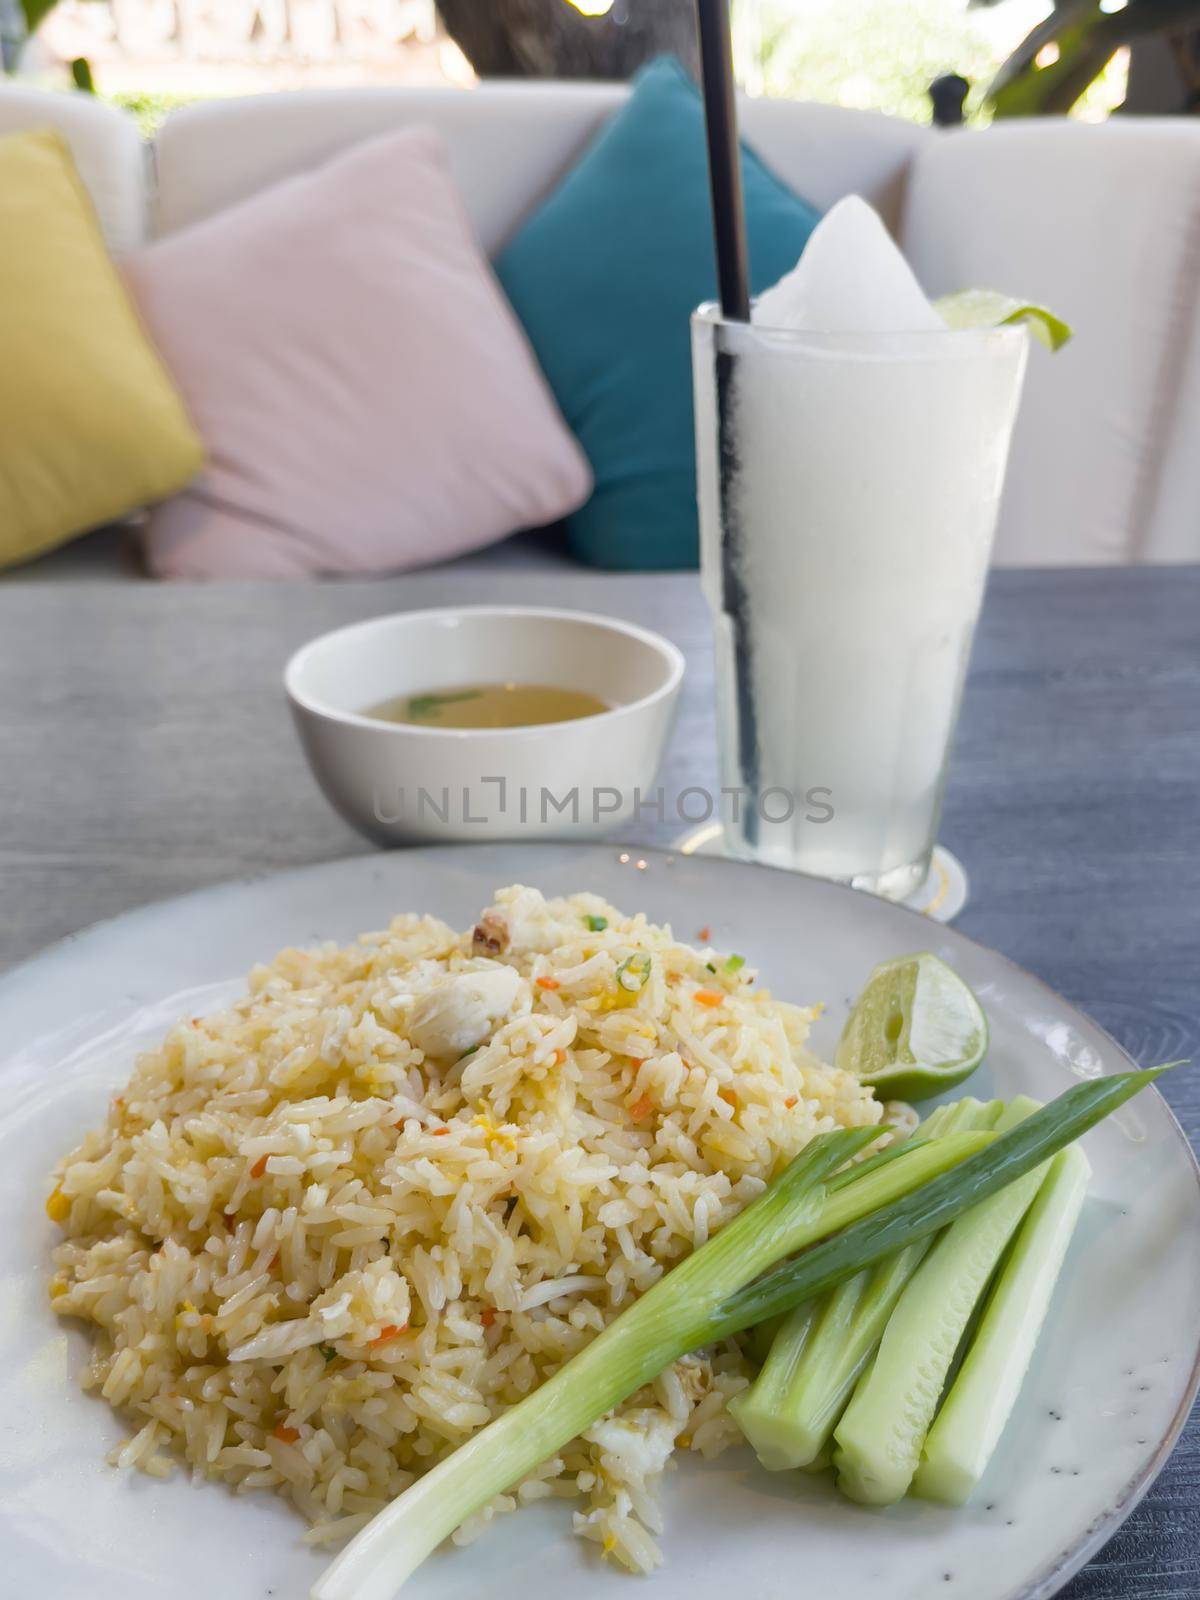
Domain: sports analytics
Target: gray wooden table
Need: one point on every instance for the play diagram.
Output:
(145, 750)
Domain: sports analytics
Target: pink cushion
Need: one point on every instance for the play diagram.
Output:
(366, 395)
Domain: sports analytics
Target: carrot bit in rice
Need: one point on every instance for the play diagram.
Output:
(386, 1335)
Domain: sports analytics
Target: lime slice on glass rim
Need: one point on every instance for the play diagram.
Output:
(915, 1029)
(987, 308)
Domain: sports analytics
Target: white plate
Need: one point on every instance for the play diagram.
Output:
(1109, 1389)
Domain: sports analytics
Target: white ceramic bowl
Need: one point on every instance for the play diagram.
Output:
(395, 782)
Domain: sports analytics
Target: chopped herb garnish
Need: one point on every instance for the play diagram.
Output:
(735, 963)
(428, 705)
(328, 1352)
(596, 924)
(708, 967)
(633, 972)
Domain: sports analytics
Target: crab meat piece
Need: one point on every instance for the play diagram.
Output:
(490, 934)
(463, 1011)
(528, 921)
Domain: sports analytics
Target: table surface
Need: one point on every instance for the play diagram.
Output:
(145, 750)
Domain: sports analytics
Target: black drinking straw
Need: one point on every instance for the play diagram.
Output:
(724, 164)
(733, 279)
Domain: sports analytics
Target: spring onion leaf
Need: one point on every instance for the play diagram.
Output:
(429, 705)
(935, 1206)
(891, 1152)
(595, 924)
(633, 972)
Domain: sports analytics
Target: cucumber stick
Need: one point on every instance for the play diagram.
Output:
(757, 1341)
(982, 1396)
(758, 1410)
(788, 1413)
(881, 1434)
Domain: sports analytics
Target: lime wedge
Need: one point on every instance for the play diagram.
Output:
(915, 1030)
(986, 308)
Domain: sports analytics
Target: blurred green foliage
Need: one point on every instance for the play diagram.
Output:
(882, 55)
(1069, 51)
(35, 11)
(150, 108)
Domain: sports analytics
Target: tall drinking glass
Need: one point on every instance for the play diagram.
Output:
(848, 489)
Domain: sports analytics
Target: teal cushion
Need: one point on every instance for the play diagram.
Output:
(605, 275)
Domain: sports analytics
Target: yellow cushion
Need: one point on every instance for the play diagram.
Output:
(91, 425)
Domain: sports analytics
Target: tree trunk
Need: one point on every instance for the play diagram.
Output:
(1164, 75)
(1185, 47)
(551, 39)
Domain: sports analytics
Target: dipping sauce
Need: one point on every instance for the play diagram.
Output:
(488, 705)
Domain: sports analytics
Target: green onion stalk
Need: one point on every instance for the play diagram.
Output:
(870, 1212)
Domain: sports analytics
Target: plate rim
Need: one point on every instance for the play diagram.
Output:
(1050, 1579)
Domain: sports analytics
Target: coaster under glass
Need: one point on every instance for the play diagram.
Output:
(942, 896)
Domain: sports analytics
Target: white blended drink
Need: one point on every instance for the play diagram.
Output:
(851, 452)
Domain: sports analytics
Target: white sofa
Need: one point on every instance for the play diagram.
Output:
(1102, 223)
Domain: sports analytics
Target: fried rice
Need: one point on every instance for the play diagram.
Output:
(328, 1233)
